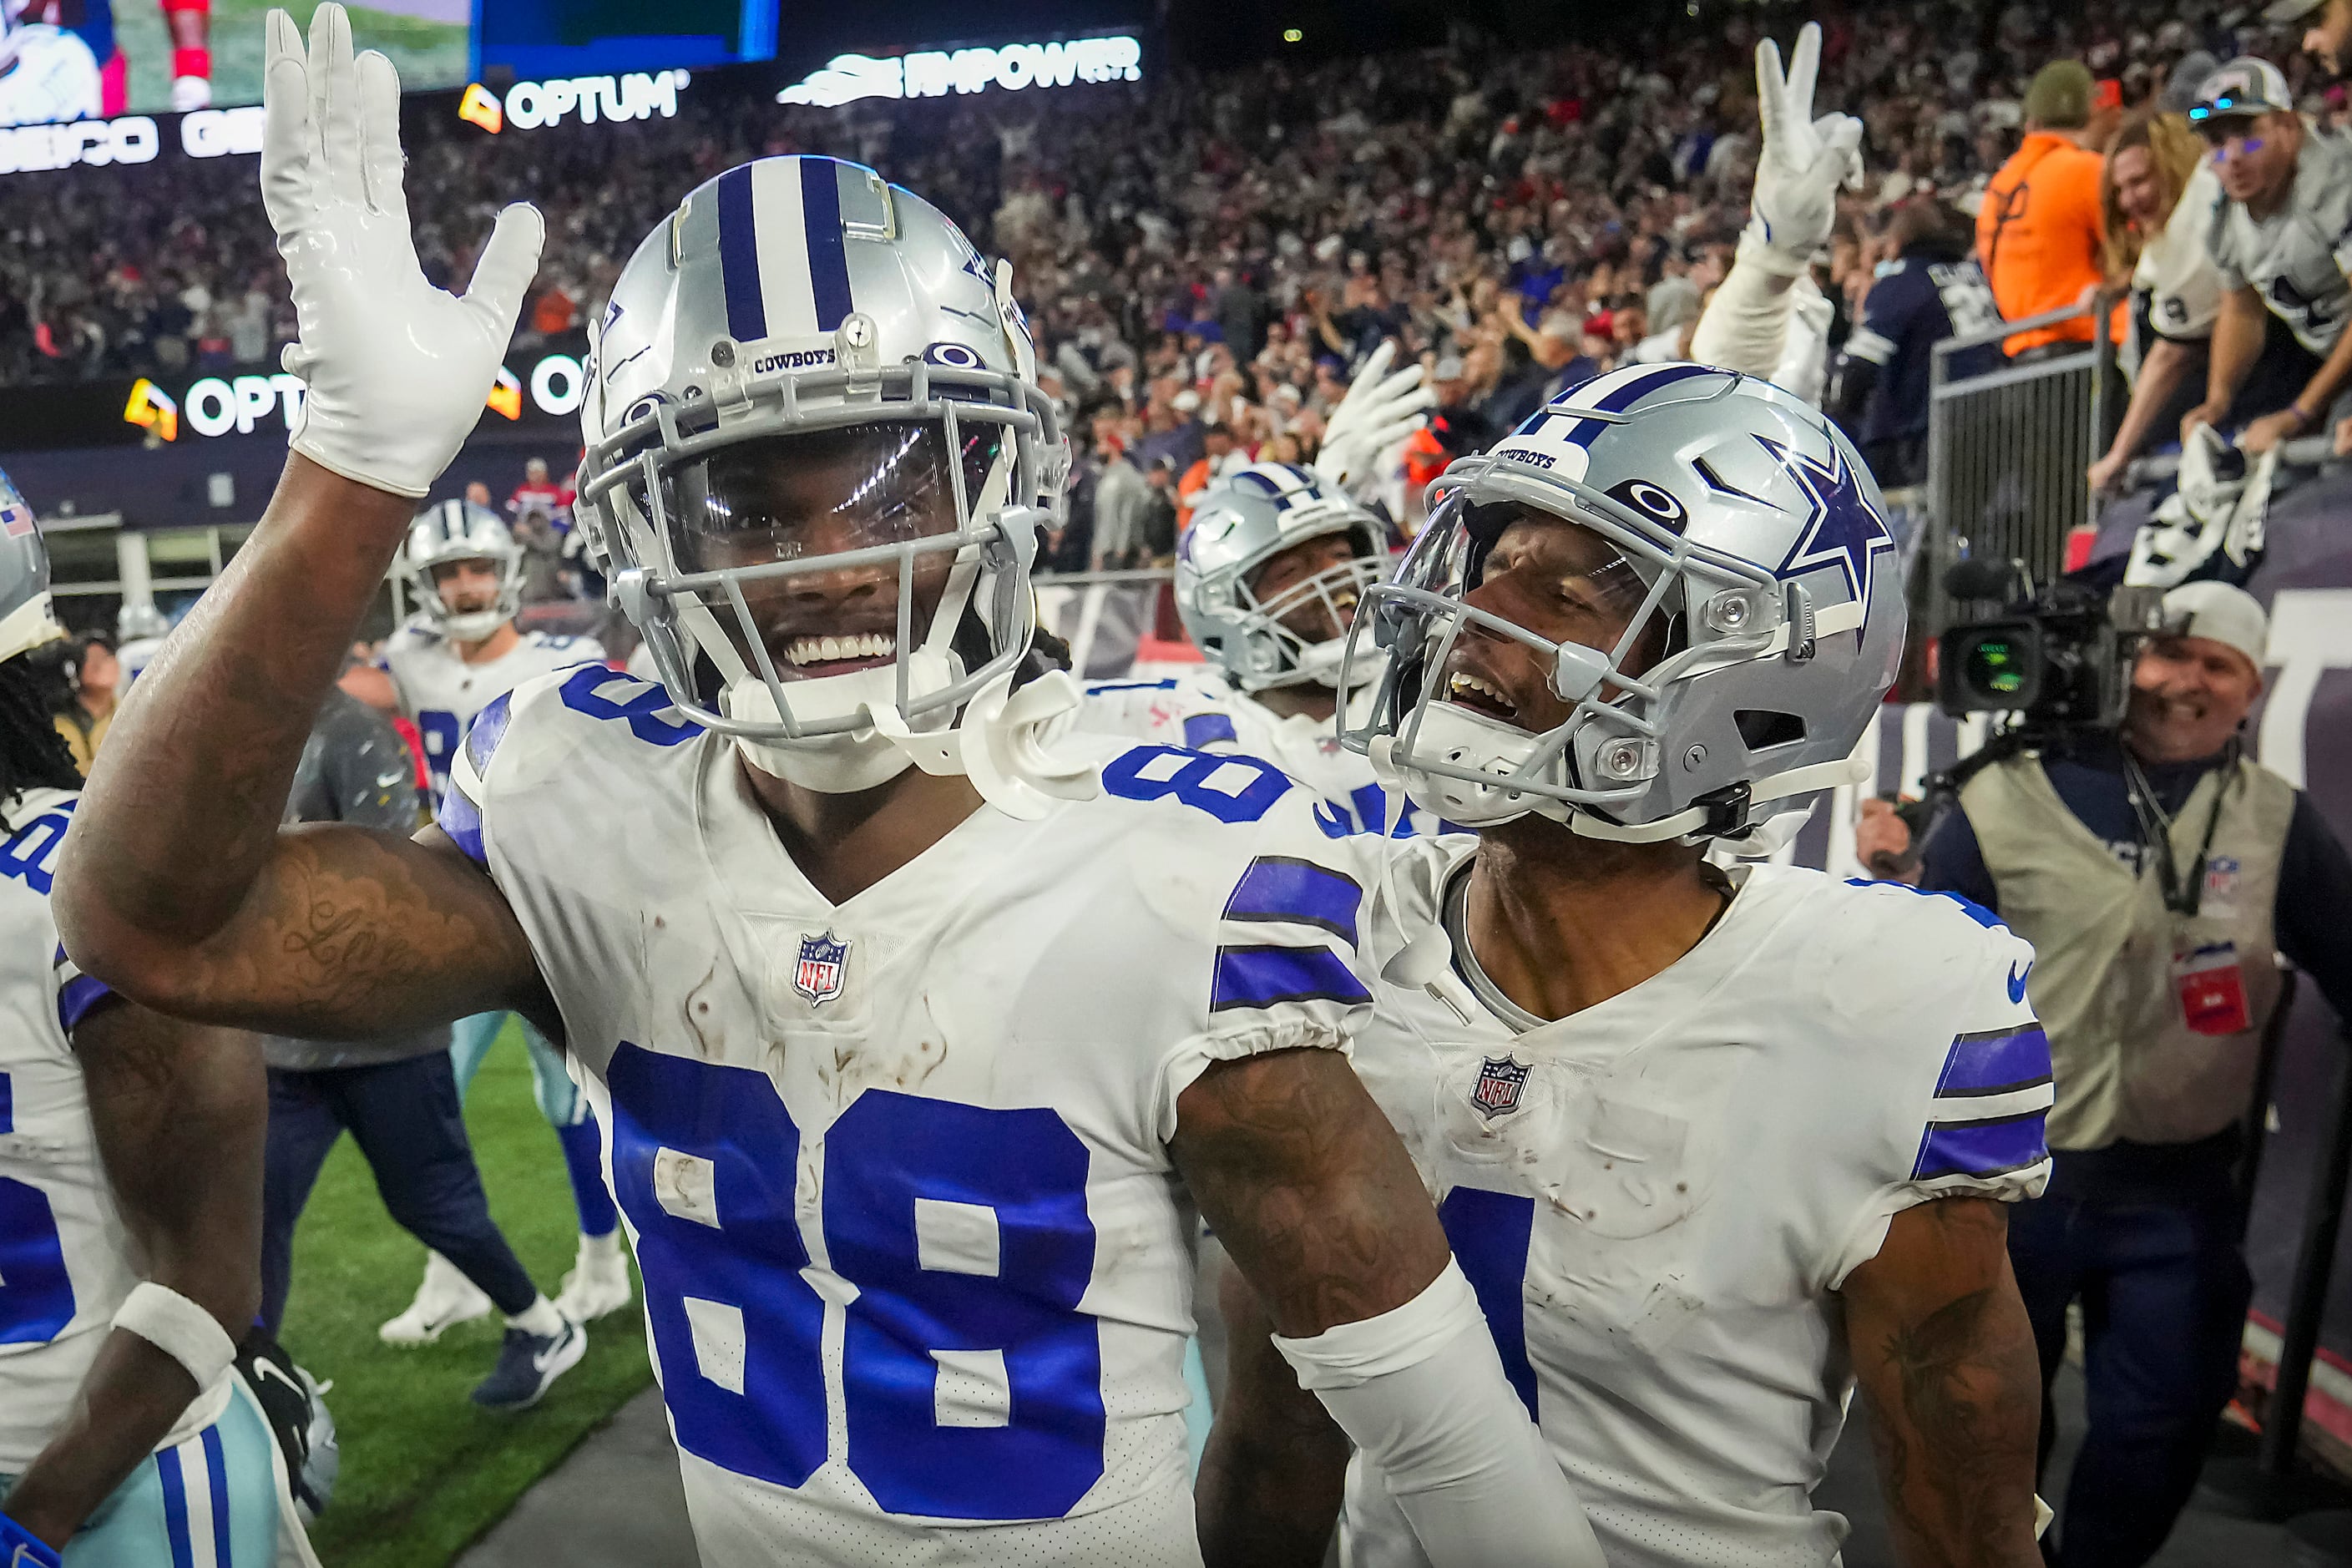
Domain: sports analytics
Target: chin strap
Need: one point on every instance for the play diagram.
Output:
(1711, 819)
(1004, 745)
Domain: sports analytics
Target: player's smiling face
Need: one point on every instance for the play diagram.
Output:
(467, 587)
(798, 498)
(1565, 583)
(1314, 618)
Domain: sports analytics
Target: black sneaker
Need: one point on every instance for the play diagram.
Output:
(527, 1364)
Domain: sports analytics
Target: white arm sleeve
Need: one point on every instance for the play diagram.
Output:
(1419, 1390)
(1745, 323)
(1804, 367)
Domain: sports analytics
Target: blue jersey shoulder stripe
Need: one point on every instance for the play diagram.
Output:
(1263, 976)
(461, 820)
(490, 727)
(1981, 1149)
(1207, 729)
(1974, 910)
(1996, 1061)
(77, 997)
(1280, 887)
(1168, 685)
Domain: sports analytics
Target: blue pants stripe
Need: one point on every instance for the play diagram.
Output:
(216, 1463)
(175, 1509)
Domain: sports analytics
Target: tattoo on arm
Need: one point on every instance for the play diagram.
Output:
(1308, 1187)
(1945, 1357)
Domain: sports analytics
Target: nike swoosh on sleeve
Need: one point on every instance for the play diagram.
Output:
(2017, 982)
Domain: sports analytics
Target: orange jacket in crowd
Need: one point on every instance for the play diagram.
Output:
(2038, 235)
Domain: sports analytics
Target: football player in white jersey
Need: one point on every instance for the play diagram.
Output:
(1714, 1146)
(1268, 574)
(916, 1042)
(45, 73)
(129, 1208)
(459, 653)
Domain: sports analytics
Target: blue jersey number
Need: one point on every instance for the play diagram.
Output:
(973, 1383)
(602, 692)
(1228, 786)
(30, 855)
(442, 734)
(35, 1293)
(1490, 1233)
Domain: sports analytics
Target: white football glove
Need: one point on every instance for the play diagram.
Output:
(1802, 162)
(396, 369)
(1378, 411)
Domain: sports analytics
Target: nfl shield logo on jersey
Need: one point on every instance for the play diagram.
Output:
(1496, 1092)
(824, 960)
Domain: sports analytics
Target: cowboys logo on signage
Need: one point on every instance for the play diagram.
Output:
(824, 960)
(1496, 1092)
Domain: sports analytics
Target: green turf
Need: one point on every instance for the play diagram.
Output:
(425, 1472)
(428, 55)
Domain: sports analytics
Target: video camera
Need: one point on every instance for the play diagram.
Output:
(2059, 656)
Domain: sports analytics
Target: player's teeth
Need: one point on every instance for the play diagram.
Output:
(829, 648)
(1462, 683)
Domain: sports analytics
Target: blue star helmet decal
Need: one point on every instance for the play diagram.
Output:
(1844, 527)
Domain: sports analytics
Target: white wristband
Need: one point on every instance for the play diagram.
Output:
(180, 1328)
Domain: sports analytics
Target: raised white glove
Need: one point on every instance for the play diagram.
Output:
(396, 369)
(1378, 411)
(1802, 162)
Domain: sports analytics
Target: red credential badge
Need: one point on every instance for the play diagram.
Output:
(2213, 989)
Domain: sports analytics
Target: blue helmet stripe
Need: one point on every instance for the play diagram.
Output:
(828, 261)
(1631, 391)
(739, 256)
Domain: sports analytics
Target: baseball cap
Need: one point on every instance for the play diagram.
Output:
(2245, 88)
(2060, 96)
(2282, 11)
(2219, 612)
(2180, 88)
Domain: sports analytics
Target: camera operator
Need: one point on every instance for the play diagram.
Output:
(2155, 871)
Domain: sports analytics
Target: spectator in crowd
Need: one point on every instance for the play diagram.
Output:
(1931, 290)
(544, 579)
(90, 675)
(1121, 498)
(396, 1097)
(2038, 230)
(1220, 455)
(2274, 243)
(2155, 873)
(2158, 193)
(538, 492)
(478, 494)
(2328, 39)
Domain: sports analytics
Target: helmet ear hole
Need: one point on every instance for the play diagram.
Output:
(1763, 728)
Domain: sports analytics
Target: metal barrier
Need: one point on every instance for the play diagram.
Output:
(2007, 456)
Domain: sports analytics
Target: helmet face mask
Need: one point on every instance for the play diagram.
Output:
(871, 468)
(1248, 586)
(446, 534)
(1626, 616)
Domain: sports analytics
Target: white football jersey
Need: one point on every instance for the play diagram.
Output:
(918, 1267)
(55, 78)
(1203, 711)
(441, 692)
(1657, 1197)
(65, 1258)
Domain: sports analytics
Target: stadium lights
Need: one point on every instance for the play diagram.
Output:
(935, 73)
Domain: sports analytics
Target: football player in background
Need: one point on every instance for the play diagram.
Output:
(190, 23)
(45, 73)
(910, 1090)
(459, 653)
(1267, 572)
(130, 1210)
(1713, 1146)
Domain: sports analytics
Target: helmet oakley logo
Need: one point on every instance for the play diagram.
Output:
(1650, 501)
(955, 357)
(150, 409)
(823, 966)
(1496, 1092)
(480, 106)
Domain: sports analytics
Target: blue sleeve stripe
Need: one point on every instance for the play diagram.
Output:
(461, 820)
(1981, 1148)
(1996, 1061)
(1278, 887)
(1168, 685)
(76, 996)
(1207, 730)
(490, 727)
(1265, 976)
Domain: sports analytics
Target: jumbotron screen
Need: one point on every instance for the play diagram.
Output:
(85, 59)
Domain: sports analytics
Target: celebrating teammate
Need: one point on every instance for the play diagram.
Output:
(461, 652)
(1711, 1147)
(907, 1139)
(130, 1210)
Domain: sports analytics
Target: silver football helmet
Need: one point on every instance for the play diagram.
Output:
(1739, 539)
(26, 620)
(453, 531)
(1239, 524)
(817, 461)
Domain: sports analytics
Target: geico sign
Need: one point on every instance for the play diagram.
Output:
(26, 148)
(530, 105)
(934, 73)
